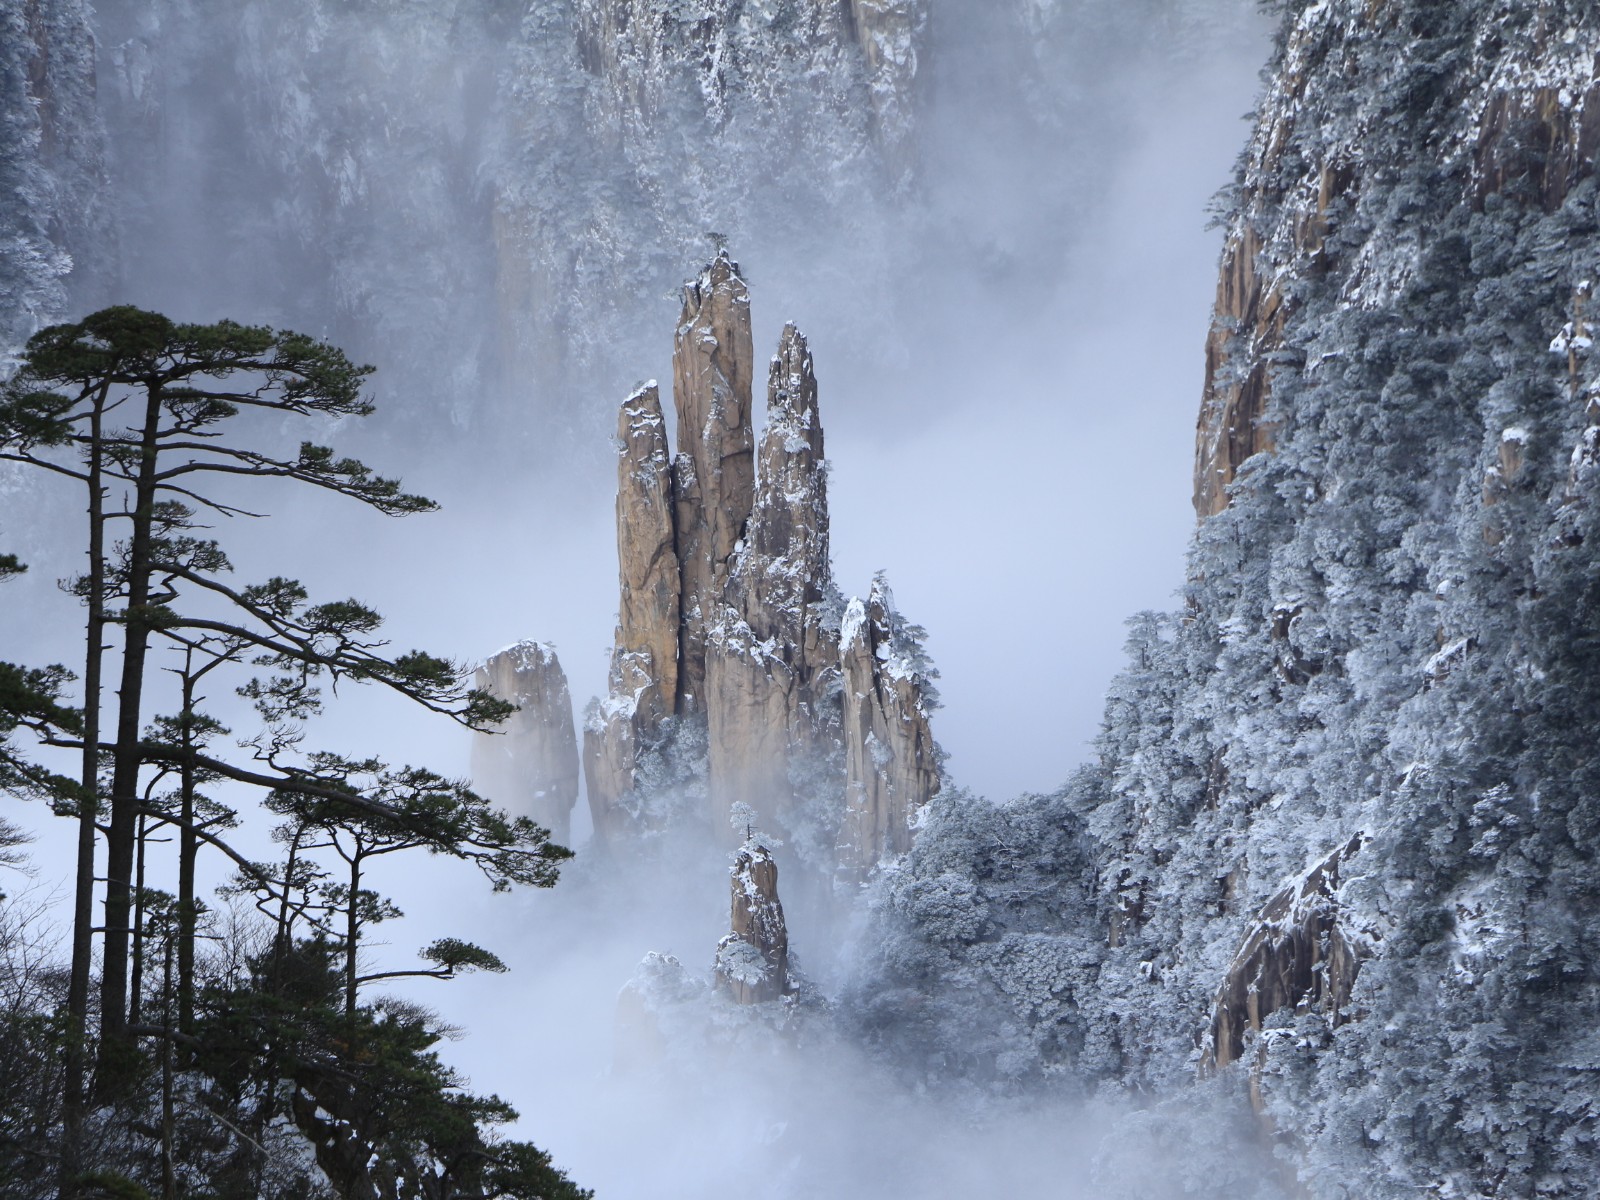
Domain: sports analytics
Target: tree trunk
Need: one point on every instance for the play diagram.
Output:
(136, 972)
(352, 932)
(169, 1183)
(188, 848)
(77, 1032)
(125, 755)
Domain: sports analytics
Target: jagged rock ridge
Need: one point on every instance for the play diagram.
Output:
(757, 613)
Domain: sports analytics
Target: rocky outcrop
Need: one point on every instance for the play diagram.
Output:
(1246, 323)
(531, 767)
(644, 661)
(610, 754)
(737, 571)
(644, 665)
(782, 579)
(751, 710)
(771, 647)
(1529, 130)
(1296, 955)
(753, 958)
(714, 472)
(891, 760)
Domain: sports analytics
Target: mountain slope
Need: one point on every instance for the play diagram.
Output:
(1347, 804)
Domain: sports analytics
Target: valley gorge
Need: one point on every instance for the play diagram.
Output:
(1315, 914)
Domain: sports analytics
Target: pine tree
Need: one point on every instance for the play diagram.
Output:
(133, 406)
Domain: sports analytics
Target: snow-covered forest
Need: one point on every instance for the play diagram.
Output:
(921, 768)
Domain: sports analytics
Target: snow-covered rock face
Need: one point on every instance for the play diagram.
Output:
(714, 472)
(753, 959)
(52, 168)
(891, 760)
(665, 122)
(1523, 118)
(1297, 955)
(529, 767)
(772, 654)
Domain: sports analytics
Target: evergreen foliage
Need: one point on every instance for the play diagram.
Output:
(1389, 631)
(259, 1071)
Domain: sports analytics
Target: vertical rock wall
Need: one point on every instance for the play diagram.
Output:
(891, 760)
(714, 472)
(755, 610)
(644, 662)
(531, 768)
(753, 959)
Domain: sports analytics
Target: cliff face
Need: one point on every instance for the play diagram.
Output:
(1528, 128)
(714, 473)
(758, 659)
(52, 168)
(891, 761)
(530, 768)
(660, 120)
(1342, 822)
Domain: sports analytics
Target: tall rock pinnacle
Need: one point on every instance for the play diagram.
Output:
(768, 641)
(783, 575)
(891, 760)
(531, 768)
(644, 662)
(729, 616)
(753, 959)
(714, 473)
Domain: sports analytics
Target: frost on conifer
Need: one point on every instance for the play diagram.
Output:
(1386, 633)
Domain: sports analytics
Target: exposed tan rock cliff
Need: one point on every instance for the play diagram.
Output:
(771, 644)
(531, 768)
(1532, 130)
(1246, 324)
(645, 662)
(714, 472)
(753, 959)
(751, 708)
(1296, 955)
(891, 760)
(609, 757)
(737, 571)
